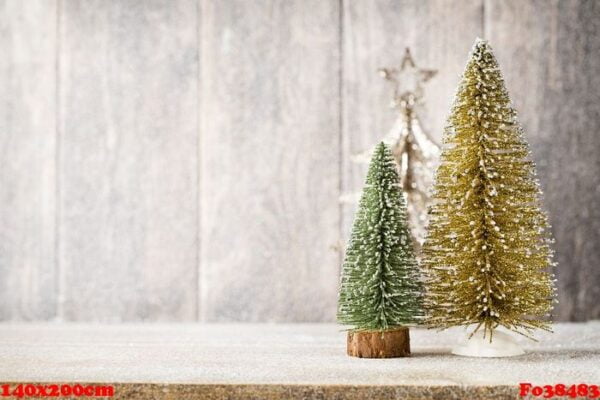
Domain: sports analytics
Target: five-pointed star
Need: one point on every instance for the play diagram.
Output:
(408, 80)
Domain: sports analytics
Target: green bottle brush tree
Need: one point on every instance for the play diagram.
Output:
(380, 291)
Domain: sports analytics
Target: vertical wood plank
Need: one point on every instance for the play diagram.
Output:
(439, 33)
(27, 159)
(270, 160)
(128, 162)
(548, 52)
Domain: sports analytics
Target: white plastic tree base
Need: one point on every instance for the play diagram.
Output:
(503, 345)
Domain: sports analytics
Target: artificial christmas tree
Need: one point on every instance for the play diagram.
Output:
(487, 253)
(380, 291)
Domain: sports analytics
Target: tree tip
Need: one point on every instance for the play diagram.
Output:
(481, 46)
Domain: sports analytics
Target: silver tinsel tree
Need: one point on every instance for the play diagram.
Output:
(415, 153)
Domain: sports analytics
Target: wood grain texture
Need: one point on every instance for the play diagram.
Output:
(269, 160)
(375, 34)
(128, 160)
(548, 52)
(376, 344)
(27, 159)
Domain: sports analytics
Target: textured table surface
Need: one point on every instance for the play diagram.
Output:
(271, 361)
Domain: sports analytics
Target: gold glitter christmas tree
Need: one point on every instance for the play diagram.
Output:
(487, 253)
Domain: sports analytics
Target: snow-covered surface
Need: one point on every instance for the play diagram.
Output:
(286, 354)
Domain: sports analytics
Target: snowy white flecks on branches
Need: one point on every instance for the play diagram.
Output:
(380, 286)
(487, 253)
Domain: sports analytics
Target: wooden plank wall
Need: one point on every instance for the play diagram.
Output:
(128, 172)
(270, 130)
(28, 270)
(182, 160)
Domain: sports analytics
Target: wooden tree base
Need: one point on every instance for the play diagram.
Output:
(378, 344)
